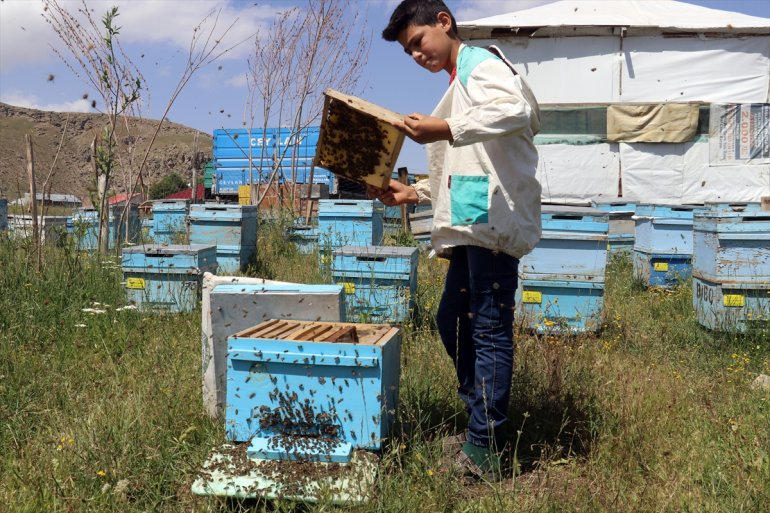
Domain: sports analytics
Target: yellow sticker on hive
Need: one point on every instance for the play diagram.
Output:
(350, 288)
(135, 283)
(532, 296)
(661, 267)
(733, 300)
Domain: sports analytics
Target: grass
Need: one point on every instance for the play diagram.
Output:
(102, 411)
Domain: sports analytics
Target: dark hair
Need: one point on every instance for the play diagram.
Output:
(416, 12)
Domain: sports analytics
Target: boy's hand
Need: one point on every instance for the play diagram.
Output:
(396, 194)
(425, 129)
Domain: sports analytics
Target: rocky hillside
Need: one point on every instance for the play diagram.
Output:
(73, 172)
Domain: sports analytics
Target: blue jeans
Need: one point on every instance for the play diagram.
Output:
(475, 321)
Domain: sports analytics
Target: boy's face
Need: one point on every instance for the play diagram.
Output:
(430, 45)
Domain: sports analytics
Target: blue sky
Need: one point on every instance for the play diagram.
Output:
(156, 33)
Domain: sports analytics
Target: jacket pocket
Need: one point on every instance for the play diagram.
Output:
(469, 200)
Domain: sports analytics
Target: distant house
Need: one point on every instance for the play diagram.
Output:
(120, 200)
(187, 193)
(52, 200)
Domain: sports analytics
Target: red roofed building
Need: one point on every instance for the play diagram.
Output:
(187, 193)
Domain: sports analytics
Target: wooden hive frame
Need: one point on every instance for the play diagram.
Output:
(310, 331)
(358, 140)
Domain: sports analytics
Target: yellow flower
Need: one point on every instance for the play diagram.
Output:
(430, 472)
(101, 473)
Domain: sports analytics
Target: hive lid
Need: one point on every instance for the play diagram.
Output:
(358, 140)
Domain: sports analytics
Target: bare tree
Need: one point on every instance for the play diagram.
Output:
(94, 54)
(305, 50)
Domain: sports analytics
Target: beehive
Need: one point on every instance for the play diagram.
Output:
(621, 223)
(313, 390)
(166, 277)
(380, 282)
(663, 243)
(169, 220)
(348, 223)
(85, 227)
(559, 306)
(358, 139)
(233, 228)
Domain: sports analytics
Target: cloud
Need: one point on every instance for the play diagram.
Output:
(470, 11)
(31, 101)
(237, 80)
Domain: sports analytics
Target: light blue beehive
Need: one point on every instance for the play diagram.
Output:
(621, 223)
(3, 214)
(85, 227)
(305, 237)
(169, 219)
(561, 282)
(348, 223)
(312, 390)
(166, 277)
(233, 228)
(731, 266)
(380, 282)
(663, 244)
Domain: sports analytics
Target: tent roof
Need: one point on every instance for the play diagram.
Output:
(600, 17)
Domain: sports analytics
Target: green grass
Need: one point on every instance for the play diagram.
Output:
(102, 412)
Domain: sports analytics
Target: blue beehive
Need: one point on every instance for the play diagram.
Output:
(380, 282)
(85, 227)
(349, 223)
(305, 237)
(233, 228)
(166, 277)
(731, 266)
(621, 223)
(3, 214)
(573, 245)
(559, 306)
(663, 243)
(312, 390)
(169, 220)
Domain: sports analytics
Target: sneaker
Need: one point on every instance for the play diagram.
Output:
(452, 444)
(474, 463)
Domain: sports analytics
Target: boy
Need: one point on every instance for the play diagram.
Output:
(486, 213)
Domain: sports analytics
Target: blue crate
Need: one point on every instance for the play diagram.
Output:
(732, 245)
(380, 282)
(169, 220)
(305, 237)
(3, 214)
(166, 277)
(573, 246)
(664, 229)
(621, 223)
(661, 270)
(559, 306)
(731, 307)
(349, 223)
(85, 227)
(293, 378)
(233, 228)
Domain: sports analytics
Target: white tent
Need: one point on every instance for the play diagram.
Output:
(594, 52)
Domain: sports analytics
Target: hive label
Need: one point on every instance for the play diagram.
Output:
(135, 283)
(735, 300)
(532, 296)
(350, 288)
(661, 267)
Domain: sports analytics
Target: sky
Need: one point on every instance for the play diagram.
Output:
(156, 35)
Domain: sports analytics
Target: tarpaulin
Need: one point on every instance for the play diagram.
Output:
(670, 122)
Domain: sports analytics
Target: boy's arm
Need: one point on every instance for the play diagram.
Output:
(498, 106)
(397, 193)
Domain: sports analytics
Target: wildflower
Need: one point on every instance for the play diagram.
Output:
(124, 308)
(93, 311)
(80, 325)
(429, 472)
(101, 473)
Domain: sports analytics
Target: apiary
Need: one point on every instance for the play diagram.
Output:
(663, 243)
(312, 390)
(85, 227)
(305, 237)
(349, 223)
(572, 247)
(731, 266)
(3, 214)
(232, 228)
(559, 306)
(358, 140)
(621, 224)
(233, 304)
(380, 282)
(169, 221)
(166, 277)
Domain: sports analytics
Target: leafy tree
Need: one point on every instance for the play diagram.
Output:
(169, 184)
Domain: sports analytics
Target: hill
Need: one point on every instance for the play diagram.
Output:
(73, 173)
